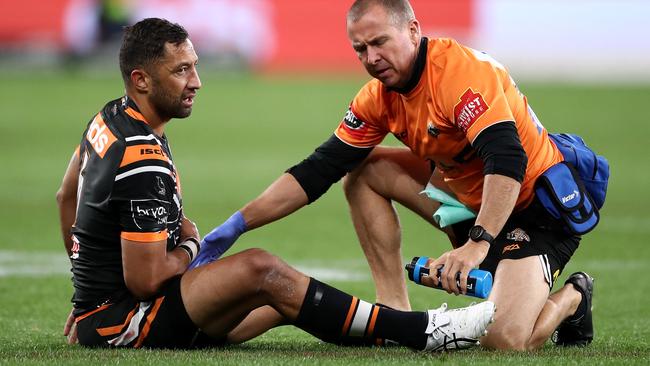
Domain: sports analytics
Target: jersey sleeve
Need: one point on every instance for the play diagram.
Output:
(472, 90)
(142, 197)
(363, 123)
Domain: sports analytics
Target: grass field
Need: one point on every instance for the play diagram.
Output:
(246, 131)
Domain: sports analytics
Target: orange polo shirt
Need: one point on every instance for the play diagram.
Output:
(461, 92)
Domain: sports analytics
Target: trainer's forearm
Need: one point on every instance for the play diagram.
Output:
(280, 199)
(500, 194)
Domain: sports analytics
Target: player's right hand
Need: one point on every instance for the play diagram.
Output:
(70, 329)
(219, 240)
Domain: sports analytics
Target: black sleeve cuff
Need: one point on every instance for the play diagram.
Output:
(501, 151)
(327, 165)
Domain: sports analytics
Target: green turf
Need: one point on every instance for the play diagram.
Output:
(246, 131)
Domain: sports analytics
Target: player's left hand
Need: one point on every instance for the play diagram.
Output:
(460, 260)
(70, 329)
(189, 230)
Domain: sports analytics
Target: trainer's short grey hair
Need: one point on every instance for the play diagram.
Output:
(400, 11)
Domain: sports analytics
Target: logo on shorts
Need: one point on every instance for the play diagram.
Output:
(511, 247)
(469, 109)
(518, 235)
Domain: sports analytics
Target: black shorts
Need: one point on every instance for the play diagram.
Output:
(161, 322)
(531, 232)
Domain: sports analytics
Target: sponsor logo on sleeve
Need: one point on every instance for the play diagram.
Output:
(353, 125)
(150, 214)
(469, 109)
(100, 136)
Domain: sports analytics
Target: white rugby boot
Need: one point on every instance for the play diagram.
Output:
(458, 328)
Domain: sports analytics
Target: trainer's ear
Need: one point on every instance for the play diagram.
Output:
(141, 81)
(414, 32)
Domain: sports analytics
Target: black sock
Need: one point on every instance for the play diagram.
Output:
(337, 317)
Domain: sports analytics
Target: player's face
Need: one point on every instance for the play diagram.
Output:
(386, 50)
(175, 81)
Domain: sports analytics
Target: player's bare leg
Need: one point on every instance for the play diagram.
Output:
(388, 174)
(527, 315)
(220, 295)
(256, 323)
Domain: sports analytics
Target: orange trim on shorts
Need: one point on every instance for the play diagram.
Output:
(147, 325)
(136, 115)
(373, 319)
(145, 237)
(137, 153)
(348, 318)
(107, 331)
(84, 316)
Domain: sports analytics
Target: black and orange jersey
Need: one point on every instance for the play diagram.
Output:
(460, 92)
(128, 188)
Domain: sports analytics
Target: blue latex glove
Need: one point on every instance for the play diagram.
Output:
(219, 240)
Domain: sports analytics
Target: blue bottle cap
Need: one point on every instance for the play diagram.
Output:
(422, 261)
(483, 283)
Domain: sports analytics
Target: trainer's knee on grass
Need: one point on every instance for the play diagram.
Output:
(507, 337)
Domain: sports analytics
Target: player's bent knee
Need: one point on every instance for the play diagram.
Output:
(258, 263)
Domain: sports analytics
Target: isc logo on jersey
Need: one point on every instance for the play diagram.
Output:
(99, 136)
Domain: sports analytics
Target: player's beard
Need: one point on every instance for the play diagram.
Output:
(167, 106)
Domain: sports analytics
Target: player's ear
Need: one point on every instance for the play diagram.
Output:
(140, 80)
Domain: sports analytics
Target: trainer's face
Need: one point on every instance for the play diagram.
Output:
(175, 81)
(387, 51)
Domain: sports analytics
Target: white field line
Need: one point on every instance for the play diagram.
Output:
(39, 264)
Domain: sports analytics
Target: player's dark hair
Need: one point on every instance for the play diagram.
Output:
(400, 11)
(144, 43)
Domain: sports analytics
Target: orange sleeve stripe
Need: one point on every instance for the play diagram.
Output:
(84, 316)
(136, 115)
(76, 151)
(107, 331)
(373, 319)
(147, 325)
(145, 237)
(348, 318)
(137, 153)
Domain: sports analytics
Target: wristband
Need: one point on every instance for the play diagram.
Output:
(191, 247)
